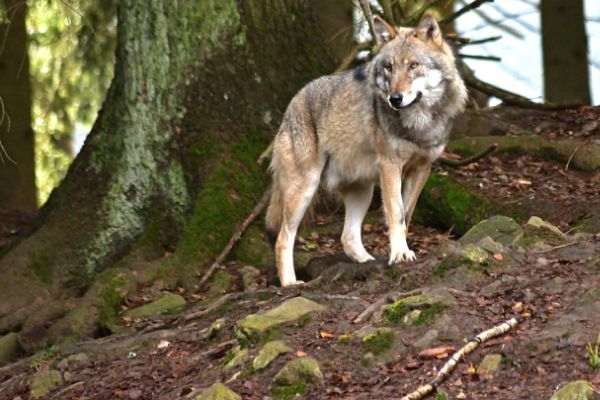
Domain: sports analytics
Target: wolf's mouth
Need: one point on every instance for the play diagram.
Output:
(398, 105)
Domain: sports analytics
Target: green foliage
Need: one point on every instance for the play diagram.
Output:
(71, 48)
(41, 357)
(288, 392)
(594, 354)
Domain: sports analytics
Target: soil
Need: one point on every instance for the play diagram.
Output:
(553, 288)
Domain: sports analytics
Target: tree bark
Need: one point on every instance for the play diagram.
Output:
(17, 172)
(565, 52)
(169, 166)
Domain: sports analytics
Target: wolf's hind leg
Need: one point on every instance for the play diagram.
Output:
(357, 199)
(297, 196)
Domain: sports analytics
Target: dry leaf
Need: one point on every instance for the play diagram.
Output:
(300, 353)
(435, 352)
(498, 257)
(326, 335)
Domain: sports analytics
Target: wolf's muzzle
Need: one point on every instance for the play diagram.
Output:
(395, 100)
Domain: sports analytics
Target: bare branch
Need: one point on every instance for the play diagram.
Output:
(366, 9)
(478, 57)
(471, 6)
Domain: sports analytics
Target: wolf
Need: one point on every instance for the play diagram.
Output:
(386, 120)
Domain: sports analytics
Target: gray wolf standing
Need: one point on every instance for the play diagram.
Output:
(388, 119)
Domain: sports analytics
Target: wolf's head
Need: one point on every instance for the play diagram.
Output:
(415, 65)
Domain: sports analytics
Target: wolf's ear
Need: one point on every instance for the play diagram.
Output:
(384, 30)
(428, 29)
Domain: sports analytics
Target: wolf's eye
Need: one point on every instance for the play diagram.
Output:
(413, 65)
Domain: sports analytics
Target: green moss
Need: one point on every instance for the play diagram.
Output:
(428, 314)
(288, 392)
(344, 339)
(302, 321)
(40, 266)
(220, 284)
(111, 299)
(379, 342)
(448, 264)
(226, 197)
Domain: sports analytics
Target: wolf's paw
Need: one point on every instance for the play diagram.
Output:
(360, 257)
(400, 256)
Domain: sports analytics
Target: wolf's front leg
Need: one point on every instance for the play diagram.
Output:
(391, 191)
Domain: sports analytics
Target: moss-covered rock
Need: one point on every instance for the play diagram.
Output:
(430, 304)
(237, 356)
(501, 229)
(380, 341)
(299, 371)
(9, 348)
(43, 382)
(218, 391)
(540, 233)
(219, 284)
(489, 364)
(576, 390)
(169, 304)
(270, 352)
(254, 325)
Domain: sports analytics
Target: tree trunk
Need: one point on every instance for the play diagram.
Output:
(17, 173)
(565, 52)
(169, 166)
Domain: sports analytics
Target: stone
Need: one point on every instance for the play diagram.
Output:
(9, 348)
(73, 359)
(44, 382)
(427, 340)
(220, 284)
(215, 328)
(474, 254)
(299, 371)
(503, 230)
(490, 245)
(218, 391)
(169, 304)
(537, 222)
(238, 356)
(250, 277)
(576, 390)
(254, 325)
(379, 341)
(489, 364)
(270, 352)
(430, 303)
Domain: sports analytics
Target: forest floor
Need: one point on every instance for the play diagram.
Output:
(463, 286)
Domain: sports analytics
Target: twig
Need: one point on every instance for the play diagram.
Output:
(478, 57)
(226, 298)
(456, 357)
(471, 6)
(258, 208)
(366, 9)
(468, 160)
(573, 155)
(512, 98)
(386, 299)
(551, 249)
(469, 42)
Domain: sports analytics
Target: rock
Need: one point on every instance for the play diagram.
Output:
(219, 285)
(44, 382)
(537, 222)
(215, 328)
(299, 371)
(503, 230)
(474, 254)
(218, 391)
(73, 359)
(489, 364)
(576, 390)
(250, 277)
(254, 325)
(379, 341)
(269, 352)
(430, 303)
(427, 340)
(238, 357)
(490, 245)
(169, 304)
(9, 348)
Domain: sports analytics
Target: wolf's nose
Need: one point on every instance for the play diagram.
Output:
(396, 100)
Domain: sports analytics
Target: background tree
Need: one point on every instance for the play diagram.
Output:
(170, 163)
(565, 52)
(17, 177)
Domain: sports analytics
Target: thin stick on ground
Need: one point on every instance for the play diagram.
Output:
(468, 160)
(239, 231)
(444, 372)
(573, 155)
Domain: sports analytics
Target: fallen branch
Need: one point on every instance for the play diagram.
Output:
(512, 98)
(258, 208)
(456, 357)
(467, 160)
(471, 6)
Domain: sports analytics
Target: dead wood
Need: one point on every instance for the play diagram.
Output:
(467, 160)
(444, 372)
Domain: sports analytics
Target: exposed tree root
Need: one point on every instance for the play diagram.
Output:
(467, 160)
(444, 372)
(580, 155)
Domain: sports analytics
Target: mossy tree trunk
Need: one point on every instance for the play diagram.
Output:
(169, 166)
(17, 173)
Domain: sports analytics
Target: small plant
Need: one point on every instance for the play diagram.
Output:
(594, 354)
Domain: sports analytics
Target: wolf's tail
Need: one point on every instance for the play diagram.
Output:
(274, 215)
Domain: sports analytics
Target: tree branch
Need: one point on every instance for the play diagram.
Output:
(366, 9)
(471, 6)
